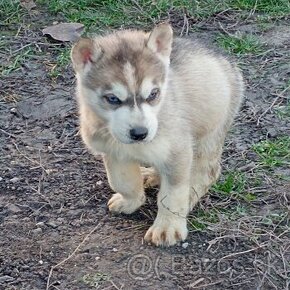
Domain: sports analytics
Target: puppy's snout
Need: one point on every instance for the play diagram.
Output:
(138, 133)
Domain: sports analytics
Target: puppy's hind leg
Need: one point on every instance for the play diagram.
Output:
(125, 178)
(206, 164)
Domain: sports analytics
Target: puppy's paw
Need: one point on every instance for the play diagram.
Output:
(150, 177)
(119, 204)
(167, 231)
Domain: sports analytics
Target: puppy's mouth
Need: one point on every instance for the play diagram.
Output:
(137, 135)
(129, 141)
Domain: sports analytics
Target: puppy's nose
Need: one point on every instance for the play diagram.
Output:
(138, 133)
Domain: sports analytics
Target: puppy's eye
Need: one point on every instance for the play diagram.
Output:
(153, 95)
(112, 99)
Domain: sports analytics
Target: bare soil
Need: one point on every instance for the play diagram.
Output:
(55, 229)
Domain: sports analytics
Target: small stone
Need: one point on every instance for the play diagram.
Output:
(13, 208)
(100, 182)
(40, 224)
(97, 258)
(14, 179)
(115, 250)
(185, 245)
(13, 110)
(75, 212)
(52, 224)
(1, 178)
(37, 231)
(49, 171)
(40, 262)
(272, 132)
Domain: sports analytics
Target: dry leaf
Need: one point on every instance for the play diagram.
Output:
(64, 31)
(27, 4)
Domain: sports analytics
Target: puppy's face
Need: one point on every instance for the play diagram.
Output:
(122, 77)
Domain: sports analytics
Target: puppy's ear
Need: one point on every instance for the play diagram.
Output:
(160, 40)
(84, 53)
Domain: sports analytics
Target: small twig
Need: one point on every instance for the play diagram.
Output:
(18, 31)
(203, 285)
(226, 32)
(243, 252)
(185, 25)
(267, 110)
(118, 288)
(29, 159)
(196, 282)
(252, 11)
(215, 240)
(70, 256)
(22, 47)
(8, 134)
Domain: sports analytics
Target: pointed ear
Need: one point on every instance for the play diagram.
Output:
(84, 53)
(160, 40)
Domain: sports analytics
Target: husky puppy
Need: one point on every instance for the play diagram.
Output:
(146, 98)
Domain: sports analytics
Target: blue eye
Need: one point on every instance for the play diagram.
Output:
(112, 99)
(153, 95)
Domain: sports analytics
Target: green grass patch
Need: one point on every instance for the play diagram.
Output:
(62, 62)
(95, 279)
(201, 219)
(234, 185)
(240, 45)
(10, 12)
(273, 8)
(274, 153)
(231, 182)
(283, 112)
(98, 15)
(16, 60)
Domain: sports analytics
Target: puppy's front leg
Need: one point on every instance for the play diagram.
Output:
(170, 225)
(125, 178)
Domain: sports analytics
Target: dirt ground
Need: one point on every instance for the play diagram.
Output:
(55, 229)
